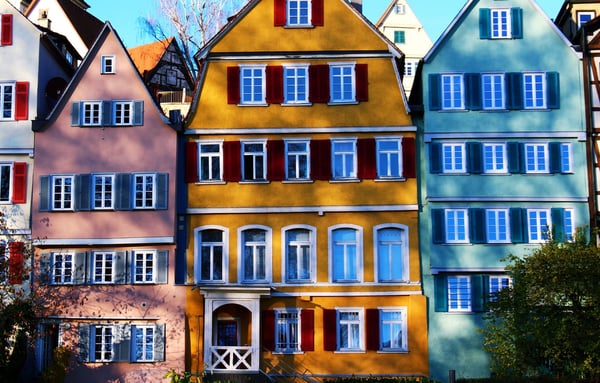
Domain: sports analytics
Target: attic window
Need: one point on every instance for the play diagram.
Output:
(400, 9)
(107, 64)
(584, 16)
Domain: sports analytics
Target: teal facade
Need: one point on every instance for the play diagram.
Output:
(503, 164)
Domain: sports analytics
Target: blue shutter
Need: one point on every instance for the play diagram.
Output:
(162, 191)
(435, 158)
(477, 226)
(45, 204)
(83, 343)
(558, 224)
(123, 192)
(478, 293)
(438, 233)
(107, 113)
(515, 157)
(122, 348)
(552, 90)
(440, 294)
(518, 225)
(435, 91)
(485, 25)
(162, 266)
(474, 157)
(76, 114)
(473, 91)
(83, 195)
(516, 19)
(138, 113)
(515, 91)
(555, 157)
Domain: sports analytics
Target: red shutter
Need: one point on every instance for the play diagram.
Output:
(320, 160)
(7, 29)
(274, 85)
(233, 85)
(191, 161)
(372, 325)
(276, 160)
(268, 330)
(15, 263)
(19, 182)
(409, 159)
(22, 101)
(280, 13)
(367, 159)
(232, 171)
(318, 83)
(362, 82)
(318, 18)
(329, 330)
(307, 322)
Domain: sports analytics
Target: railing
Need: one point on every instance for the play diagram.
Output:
(228, 358)
(175, 96)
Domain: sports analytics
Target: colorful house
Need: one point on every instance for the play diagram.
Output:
(104, 221)
(503, 165)
(302, 214)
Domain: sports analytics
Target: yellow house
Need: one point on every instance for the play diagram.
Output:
(302, 246)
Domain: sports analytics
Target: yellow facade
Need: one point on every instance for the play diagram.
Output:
(228, 315)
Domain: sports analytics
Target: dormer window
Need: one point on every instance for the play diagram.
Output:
(298, 13)
(107, 64)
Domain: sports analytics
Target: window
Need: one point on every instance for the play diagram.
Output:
(298, 12)
(536, 158)
(350, 329)
(297, 160)
(500, 23)
(62, 192)
(255, 243)
(456, 226)
(584, 16)
(107, 113)
(493, 91)
(92, 113)
(497, 224)
(103, 191)
(453, 157)
(344, 159)
(342, 83)
(254, 158)
(452, 92)
(389, 158)
(568, 224)
(123, 112)
(144, 191)
(62, 268)
(494, 158)
(144, 266)
(393, 330)
(534, 88)
(103, 267)
(346, 254)
(144, 343)
(7, 99)
(296, 84)
(210, 264)
(5, 182)
(108, 64)
(538, 221)
(392, 254)
(103, 343)
(299, 255)
(459, 293)
(410, 67)
(210, 161)
(565, 158)
(400, 9)
(498, 283)
(399, 37)
(287, 330)
(253, 85)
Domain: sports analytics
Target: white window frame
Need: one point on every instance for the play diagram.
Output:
(123, 113)
(493, 94)
(387, 158)
(500, 22)
(454, 157)
(293, 13)
(569, 224)
(534, 90)
(495, 158)
(198, 246)
(566, 157)
(268, 245)
(7, 101)
(103, 267)
(393, 323)
(63, 195)
(410, 67)
(498, 283)
(296, 84)
(108, 64)
(457, 225)
(91, 113)
(312, 243)
(342, 83)
(358, 242)
(581, 14)
(105, 348)
(459, 300)
(539, 225)
(294, 160)
(211, 158)
(6, 182)
(146, 193)
(353, 324)
(137, 347)
(453, 91)
(497, 224)
(537, 158)
(103, 191)
(346, 157)
(144, 264)
(379, 258)
(258, 158)
(60, 268)
(288, 326)
(253, 84)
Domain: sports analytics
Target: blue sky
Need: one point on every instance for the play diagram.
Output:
(435, 15)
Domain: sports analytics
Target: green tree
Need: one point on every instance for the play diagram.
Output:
(548, 321)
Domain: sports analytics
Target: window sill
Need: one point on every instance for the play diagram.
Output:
(344, 180)
(299, 26)
(246, 182)
(255, 104)
(392, 351)
(390, 179)
(216, 182)
(296, 104)
(350, 352)
(334, 103)
(307, 181)
(287, 352)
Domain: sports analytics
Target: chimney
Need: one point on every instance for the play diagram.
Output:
(356, 4)
(43, 19)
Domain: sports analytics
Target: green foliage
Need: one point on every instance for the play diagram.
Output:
(181, 377)
(57, 371)
(548, 322)
(376, 379)
(17, 324)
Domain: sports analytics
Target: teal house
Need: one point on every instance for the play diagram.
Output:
(503, 164)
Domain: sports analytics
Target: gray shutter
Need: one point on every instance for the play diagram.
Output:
(436, 158)
(440, 295)
(438, 226)
(159, 342)
(83, 197)
(107, 113)
(162, 266)
(45, 193)
(123, 191)
(46, 268)
(474, 157)
(84, 344)
(516, 18)
(162, 191)
(485, 25)
(120, 267)
(553, 90)
(76, 114)
(122, 344)
(138, 113)
(79, 268)
(435, 91)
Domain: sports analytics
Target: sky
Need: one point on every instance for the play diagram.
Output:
(435, 15)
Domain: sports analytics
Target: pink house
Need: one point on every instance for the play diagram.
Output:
(103, 217)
